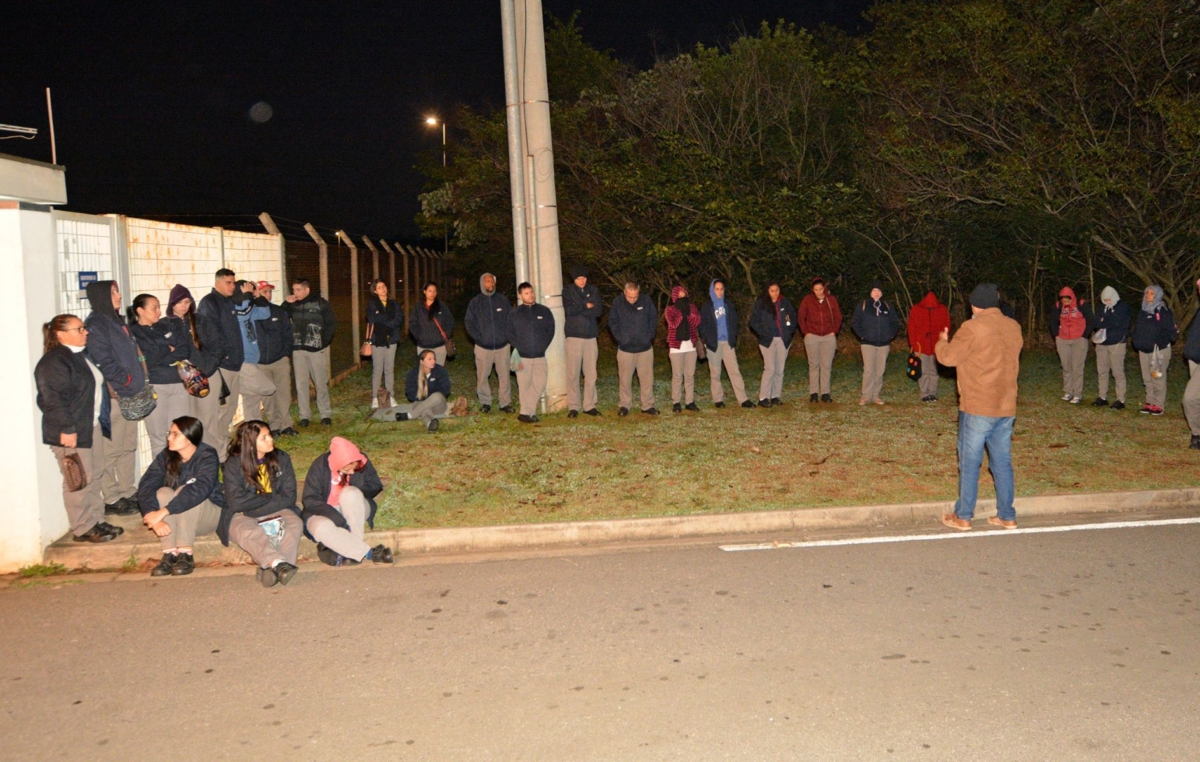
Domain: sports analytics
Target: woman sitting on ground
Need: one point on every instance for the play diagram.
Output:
(260, 514)
(339, 497)
(180, 495)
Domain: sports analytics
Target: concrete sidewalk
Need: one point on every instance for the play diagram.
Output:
(138, 544)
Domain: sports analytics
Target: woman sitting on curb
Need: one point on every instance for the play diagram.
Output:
(180, 495)
(339, 497)
(260, 513)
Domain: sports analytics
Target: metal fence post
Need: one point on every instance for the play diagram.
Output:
(323, 259)
(354, 286)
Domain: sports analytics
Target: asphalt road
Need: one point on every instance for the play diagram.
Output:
(1073, 646)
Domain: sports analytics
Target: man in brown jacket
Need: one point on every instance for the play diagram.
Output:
(987, 352)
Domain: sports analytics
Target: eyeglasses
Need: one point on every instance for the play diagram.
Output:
(78, 328)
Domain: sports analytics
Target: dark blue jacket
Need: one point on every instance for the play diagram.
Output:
(1191, 348)
(110, 343)
(1115, 322)
(762, 321)
(275, 338)
(633, 325)
(530, 329)
(581, 322)
(66, 395)
(423, 329)
(221, 334)
(487, 320)
(318, 483)
(708, 324)
(156, 341)
(439, 381)
(875, 329)
(199, 480)
(388, 321)
(241, 497)
(1154, 329)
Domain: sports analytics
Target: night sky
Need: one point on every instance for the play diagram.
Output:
(155, 103)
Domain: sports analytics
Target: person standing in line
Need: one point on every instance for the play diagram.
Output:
(113, 350)
(876, 324)
(386, 319)
(582, 306)
(255, 384)
(164, 341)
(76, 414)
(313, 326)
(1071, 327)
(487, 324)
(719, 332)
(276, 342)
(339, 498)
(925, 323)
(260, 514)
(1154, 331)
(181, 496)
(820, 320)
(206, 409)
(427, 387)
(530, 331)
(1191, 395)
(683, 336)
(1111, 324)
(774, 322)
(431, 323)
(987, 352)
(633, 321)
(221, 333)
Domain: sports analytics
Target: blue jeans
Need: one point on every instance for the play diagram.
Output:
(974, 433)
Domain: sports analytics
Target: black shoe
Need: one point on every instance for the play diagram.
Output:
(114, 531)
(184, 564)
(692, 406)
(121, 508)
(285, 571)
(572, 413)
(506, 409)
(623, 411)
(776, 402)
(95, 534)
(718, 405)
(433, 425)
(303, 423)
(826, 398)
(401, 416)
(382, 554)
(1118, 405)
(764, 403)
(165, 565)
(651, 411)
(289, 432)
(676, 408)
(813, 397)
(527, 418)
(326, 421)
(485, 408)
(748, 405)
(1100, 402)
(593, 412)
(1195, 445)
(327, 555)
(268, 577)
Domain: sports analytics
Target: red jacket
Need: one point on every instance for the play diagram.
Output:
(674, 318)
(821, 318)
(925, 323)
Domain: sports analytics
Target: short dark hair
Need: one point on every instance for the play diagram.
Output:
(240, 283)
(299, 281)
(225, 272)
(524, 286)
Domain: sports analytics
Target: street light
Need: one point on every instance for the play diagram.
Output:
(433, 121)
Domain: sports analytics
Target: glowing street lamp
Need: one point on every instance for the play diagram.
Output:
(433, 121)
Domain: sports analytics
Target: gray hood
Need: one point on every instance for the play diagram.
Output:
(482, 290)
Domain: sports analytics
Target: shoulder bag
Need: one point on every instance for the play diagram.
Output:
(193, 380)
(140, 405)
(451, 350)
(366, 349)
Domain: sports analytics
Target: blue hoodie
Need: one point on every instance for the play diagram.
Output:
(718, 319)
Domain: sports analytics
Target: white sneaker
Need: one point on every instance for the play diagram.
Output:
(1075, 400)
(375, 404)
(1066, 398)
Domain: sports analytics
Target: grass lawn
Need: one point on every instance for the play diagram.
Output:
(489, 469)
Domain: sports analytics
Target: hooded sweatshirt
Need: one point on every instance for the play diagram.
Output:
(718, 319)
(323, 484)
(201, 357)
(582, 322)
(874, 321)
(110, 343)
(925, 323)
(674, 315)
(1070, 320)
(487, 318)
(1154, 327)
(1112, 317)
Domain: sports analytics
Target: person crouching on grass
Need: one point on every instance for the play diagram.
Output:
(260, 514)
(339, 497)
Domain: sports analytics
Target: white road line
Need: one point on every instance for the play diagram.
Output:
(959, 535)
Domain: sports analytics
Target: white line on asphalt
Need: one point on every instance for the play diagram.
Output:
(959, 535)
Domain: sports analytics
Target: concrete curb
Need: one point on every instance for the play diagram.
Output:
(584, 533)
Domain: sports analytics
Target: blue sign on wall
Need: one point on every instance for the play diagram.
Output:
(87, 277)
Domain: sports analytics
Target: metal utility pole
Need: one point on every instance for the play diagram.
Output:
(531, 167)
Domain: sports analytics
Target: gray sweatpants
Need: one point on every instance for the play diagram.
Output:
(117, 479)
(278, 407)
(1191, 398)
(383, 370)
(312, 367)
(173, 402)
(725, 354)
(85, 508)
(1156, 388)
(1111, 359)
(531, 383)
(643, 364)
(485, 360)
(250, 537)
(433, 406)
(256, 387)
(1072, 353)
(820, 351)
(581, 358)
(928, 382)
(353, 505)
(683, 374)
(187, 526)
(774, 360)
(874, 363)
